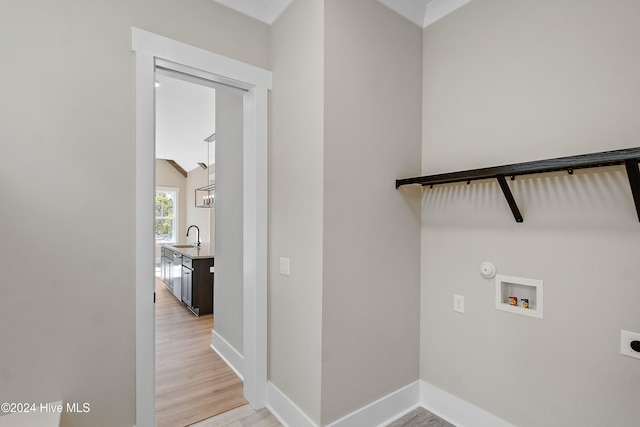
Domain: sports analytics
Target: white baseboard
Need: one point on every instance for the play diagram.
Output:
(389, 408)
(229, 354)
(455, 410)
(383, 411)
(287, 412)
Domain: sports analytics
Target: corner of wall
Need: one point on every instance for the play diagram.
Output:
(230, 355)
(455, 410)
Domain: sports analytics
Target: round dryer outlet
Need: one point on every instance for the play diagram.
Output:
(487, 270)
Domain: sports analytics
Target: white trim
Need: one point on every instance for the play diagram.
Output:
(254, 231)
(145, 246)
(176, 216)
(423, 12)
(230, 355)
(149, 47)
(266, 11)
(287, 412)
(455, 410)
(412, 10)
(439, 9)
(167, 50)
(383, 411)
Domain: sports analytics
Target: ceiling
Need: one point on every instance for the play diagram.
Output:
(420, 12)
(185, 116)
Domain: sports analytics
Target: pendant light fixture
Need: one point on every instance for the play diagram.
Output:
(205, 196)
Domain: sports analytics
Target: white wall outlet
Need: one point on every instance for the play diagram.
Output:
(458, 303)
(284, 266)
(626, 338)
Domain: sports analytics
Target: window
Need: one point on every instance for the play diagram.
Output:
(166, 215)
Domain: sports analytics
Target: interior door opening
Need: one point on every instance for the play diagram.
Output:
(152, 50)
(193, 114)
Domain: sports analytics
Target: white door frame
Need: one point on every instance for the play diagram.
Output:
(148, 47)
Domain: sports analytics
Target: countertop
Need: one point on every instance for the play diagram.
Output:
(203, 251)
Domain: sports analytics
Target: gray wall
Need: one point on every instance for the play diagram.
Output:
(370, 321)
(67, 183)
(295, 204)
(512, 81)
(201, 217)
(228, 278)
(503, 81)
(344, 326)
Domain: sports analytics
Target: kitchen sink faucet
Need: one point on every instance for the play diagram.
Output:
(197, 235)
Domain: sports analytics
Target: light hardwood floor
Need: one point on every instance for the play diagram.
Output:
(192, 382)
(245, 416)
(195, 387)
(420, 417)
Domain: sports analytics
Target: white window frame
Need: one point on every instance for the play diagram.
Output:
(176, 212)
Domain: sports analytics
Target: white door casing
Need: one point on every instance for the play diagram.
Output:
(149, 48)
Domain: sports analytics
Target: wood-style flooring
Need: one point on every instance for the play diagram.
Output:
(420, 417)
(192, 382)
(245, 416)
(195, 387)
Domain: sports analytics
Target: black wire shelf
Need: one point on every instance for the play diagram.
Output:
(628, 157)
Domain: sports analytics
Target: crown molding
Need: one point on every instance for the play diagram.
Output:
(437, 9)
(421, 12)
(266, 11)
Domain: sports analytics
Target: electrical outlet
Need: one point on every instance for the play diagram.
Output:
(458, 303)
(284, 266)
(626, 338)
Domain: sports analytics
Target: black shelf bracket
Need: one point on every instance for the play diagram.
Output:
(629, 157)
(633, 173)
(510, 200)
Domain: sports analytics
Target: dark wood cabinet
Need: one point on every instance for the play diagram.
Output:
(197, 284)
(188, 274)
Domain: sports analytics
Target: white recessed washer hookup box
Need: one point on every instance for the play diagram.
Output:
(519, 295)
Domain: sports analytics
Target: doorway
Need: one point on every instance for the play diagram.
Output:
(198, 147)
(151, 49)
